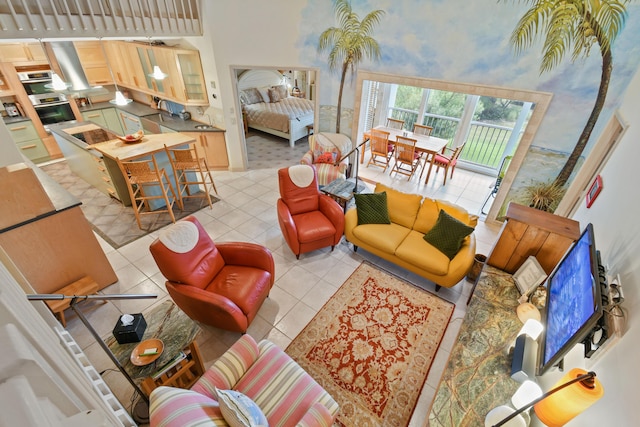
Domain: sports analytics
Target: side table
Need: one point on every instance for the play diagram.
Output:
(177, 332)
(341, 190)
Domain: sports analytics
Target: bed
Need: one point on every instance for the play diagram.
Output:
(269, 108)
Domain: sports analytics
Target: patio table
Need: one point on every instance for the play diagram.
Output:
(428, 144)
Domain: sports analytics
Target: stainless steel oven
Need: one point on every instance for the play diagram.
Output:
(35, 82)
(52, 108)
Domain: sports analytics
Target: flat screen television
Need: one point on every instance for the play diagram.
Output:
(574, 303)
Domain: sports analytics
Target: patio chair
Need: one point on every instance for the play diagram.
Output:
(501, 172)
(381, 149)
(408, 160)
(394, 123)
(448, 162)
(422, 129)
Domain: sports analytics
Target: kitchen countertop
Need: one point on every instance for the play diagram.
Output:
(150, 144)
(9, 120)
(107, 144)
(160, 117)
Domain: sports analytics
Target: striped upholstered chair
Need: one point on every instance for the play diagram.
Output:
(284, 392)
(325, 149)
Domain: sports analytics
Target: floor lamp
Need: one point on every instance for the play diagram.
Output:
(355, 187)
(141, 410)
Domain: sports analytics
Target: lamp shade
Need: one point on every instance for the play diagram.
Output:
(562, 406)
(158, 74)
(120, 99)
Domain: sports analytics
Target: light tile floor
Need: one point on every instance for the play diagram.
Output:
(247, 212)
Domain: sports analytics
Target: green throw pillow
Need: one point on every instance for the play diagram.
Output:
(372, 208)
(448, 234)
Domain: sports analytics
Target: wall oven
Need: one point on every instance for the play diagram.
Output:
(34, 81)
(52, 107)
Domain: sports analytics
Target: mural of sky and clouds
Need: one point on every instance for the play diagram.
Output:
(468, 41)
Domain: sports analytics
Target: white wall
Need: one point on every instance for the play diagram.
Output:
(264, 36)
(614, 216)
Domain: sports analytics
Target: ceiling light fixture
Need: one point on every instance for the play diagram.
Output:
(157, 74)
(119, 99)
(57, 83)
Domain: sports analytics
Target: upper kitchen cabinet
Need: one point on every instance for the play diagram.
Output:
(23, 54)
(120, 61)
(132, 63)
(147, 57)
(192, 77)
(94, 63)
(185, 81)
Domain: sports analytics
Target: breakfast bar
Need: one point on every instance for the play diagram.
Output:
(92, 152)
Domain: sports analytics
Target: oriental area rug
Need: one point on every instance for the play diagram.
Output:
(109, 218)
(371, 346)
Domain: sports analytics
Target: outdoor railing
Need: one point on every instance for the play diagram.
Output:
(485, 142)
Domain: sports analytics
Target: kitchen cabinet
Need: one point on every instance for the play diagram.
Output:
(94, 62)
(213, 147)
(121, 63)
(21, 54)
(192, 78)
(132, 63)
(26, 137)
(147, 57)
(185, 81)
(130, 123)
(107, 118)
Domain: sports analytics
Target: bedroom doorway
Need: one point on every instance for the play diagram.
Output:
(278, 108)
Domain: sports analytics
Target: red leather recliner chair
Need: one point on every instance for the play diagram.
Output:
(220, 285)
(308, 219)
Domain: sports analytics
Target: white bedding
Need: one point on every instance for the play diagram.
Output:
(276, 115)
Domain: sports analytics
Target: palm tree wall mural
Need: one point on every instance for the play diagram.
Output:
(576, 26)
(349, 43)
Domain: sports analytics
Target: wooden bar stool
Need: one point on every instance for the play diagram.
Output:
(190, 169)
(143, 177)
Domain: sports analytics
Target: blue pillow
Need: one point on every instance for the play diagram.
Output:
(239, 410)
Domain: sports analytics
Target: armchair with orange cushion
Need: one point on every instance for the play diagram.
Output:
(325, 149)
(309, 220)
(221, 285)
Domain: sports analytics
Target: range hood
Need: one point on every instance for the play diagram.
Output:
(69, 62)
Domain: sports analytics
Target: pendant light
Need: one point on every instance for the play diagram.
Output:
(57, 84)
(157, 74)
(119, 99)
